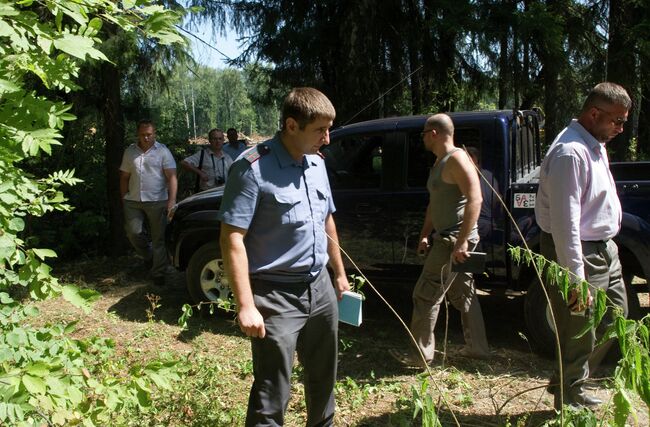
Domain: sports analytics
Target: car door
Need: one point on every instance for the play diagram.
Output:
(355, 166)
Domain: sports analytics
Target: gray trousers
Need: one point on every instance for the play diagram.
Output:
(155, 213)
(297, 317)
(579, 355)
(429, 293)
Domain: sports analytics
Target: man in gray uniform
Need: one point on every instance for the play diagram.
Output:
(453, 210)
(579, 213)
(276, 210)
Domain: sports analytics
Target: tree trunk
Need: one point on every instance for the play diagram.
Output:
(621, 66)
(114, 133)
(643, 135)
(504, 70)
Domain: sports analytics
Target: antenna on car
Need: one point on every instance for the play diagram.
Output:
(383, 94)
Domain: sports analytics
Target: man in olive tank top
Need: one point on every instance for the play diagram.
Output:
(451, 217)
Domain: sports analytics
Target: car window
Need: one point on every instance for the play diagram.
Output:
(355, 161)
(420, 160)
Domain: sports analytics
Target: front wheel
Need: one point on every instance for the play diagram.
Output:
(206, 277)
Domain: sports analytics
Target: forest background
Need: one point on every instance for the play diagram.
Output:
(373, 59)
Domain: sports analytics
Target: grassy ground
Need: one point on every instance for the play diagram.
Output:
(373, 389)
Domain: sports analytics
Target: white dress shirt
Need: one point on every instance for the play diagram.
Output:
(576, 198)
(147, 182)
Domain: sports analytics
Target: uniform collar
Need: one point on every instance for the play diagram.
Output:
(284, 158)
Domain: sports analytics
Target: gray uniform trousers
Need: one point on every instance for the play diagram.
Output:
(155, 213)
(602, 270)
(297, 317)
(428, 295)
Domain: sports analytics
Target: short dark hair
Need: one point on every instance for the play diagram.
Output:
(145, 122)
(306, 104)
(231, 130)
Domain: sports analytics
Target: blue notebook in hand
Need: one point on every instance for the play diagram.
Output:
(350, 308)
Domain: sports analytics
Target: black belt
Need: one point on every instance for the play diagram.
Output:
(597, 241)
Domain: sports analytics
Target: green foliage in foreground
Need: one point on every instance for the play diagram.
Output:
(631, 374)
(47, 378)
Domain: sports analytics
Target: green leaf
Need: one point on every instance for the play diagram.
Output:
(55, 386)
(44, 253)
(144, 399)
(16, 224)
(31, 310)
(34, 385)
(38, 369)
(159, 380)
(5, 298)
(6, 9)
(622, 407)
(8, 87)
(7, 246)
(76, 396)
(79, 47)
(80, 298)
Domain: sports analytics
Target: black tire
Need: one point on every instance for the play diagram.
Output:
(206, 277)
(538, 321)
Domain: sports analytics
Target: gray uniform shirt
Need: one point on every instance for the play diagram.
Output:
(283, 204)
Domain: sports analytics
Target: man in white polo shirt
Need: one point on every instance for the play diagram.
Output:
(148, 187)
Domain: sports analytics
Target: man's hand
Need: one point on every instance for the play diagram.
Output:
(423, 246)
(459, 253)
(170, 205)
(204, 176)
(341, 285)
(251, 322)
(574, 302)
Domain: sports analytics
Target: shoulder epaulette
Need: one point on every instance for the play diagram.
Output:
(259, 151)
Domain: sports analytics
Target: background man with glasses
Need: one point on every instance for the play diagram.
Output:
(579, 213)
(211, 163)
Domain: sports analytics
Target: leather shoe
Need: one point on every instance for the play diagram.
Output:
(587, 400)
(577, 401)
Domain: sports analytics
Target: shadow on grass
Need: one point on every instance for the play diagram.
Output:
(169, 301)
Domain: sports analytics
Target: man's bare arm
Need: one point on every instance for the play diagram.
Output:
(172, 187)
(235, 260)
(462, 173)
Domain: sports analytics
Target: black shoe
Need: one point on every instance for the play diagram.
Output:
(587, 400)
(577, 401)
(159, 281)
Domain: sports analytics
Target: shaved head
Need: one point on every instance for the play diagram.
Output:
(441, 123)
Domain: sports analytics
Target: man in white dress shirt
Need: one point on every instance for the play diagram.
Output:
(579, 213)
(148, 188)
